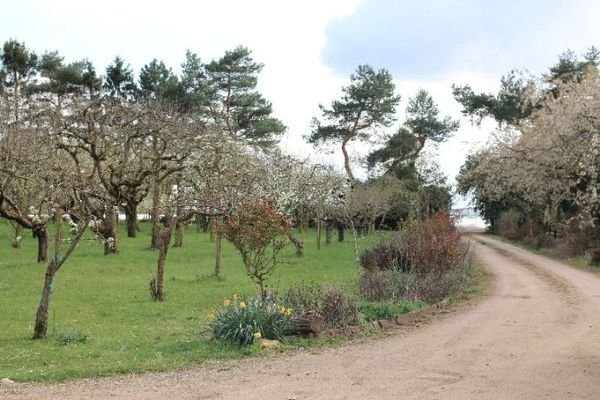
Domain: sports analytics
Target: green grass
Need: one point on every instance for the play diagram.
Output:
(102, 320)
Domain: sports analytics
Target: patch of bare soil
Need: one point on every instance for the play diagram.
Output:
(537, 335)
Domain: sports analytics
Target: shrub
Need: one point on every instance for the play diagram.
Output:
(385, 255)
(383, 285)
(430, 262)
(304, 297)
(243, 322)
(337, 307)
(433, 245)
(509, 223)
(575, 239)
(257, 229)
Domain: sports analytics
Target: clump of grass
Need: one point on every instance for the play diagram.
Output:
(65, 338)
(373, 311)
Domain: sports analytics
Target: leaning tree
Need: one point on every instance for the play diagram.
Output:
(368, 103)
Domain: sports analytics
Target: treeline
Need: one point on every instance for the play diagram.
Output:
(539, 180)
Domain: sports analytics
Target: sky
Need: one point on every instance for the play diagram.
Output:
(310, 47)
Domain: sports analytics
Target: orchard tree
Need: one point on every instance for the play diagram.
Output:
(23, 160)
(22, 153)
(371, 200)
(368, 103)
(74, 198)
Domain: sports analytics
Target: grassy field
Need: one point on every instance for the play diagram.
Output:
(103, 303)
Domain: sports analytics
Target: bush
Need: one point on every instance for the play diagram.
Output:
(428, 262)
(338, 308)
(509, 224)
(385, 255)
(575, 239)
(433, 245)
(243, 322)
(383, 285)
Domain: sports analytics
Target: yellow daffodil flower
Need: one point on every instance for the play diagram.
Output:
(242, 304)
(257, 335)
(226, 302)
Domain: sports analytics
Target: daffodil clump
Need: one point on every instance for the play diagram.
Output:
(245, 321)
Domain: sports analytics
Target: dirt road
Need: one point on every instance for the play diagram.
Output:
(537, 336)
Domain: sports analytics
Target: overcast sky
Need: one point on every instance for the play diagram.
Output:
(310, 47)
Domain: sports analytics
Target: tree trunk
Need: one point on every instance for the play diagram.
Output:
(155, 214)
(213, 229)
(318, 233)
(202, 223)
(371, 228)
(179, 228)
(41, 316)
(218, 241)
(111, 231)
(18, 238)
(131, 217)
(340, 229)
(40, 232)
(328, 232)
(165, 239)
(347, 161)
(298, 243)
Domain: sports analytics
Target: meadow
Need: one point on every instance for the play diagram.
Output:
(102, 320)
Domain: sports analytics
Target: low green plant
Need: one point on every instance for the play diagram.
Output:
(373, 311)
(244, 321)
(71, 337)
